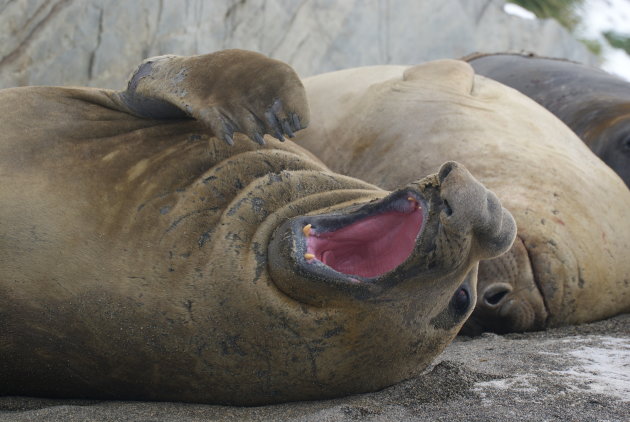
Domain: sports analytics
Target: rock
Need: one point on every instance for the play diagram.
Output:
(98, 42)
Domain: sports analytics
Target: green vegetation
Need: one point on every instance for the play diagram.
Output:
(593, 46)
(564, 11)
(617, 40)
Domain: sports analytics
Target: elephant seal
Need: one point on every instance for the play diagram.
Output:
(142, 258)
(569, 262)
(593, 103)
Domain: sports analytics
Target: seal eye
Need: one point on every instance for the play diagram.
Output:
(625, 145)
(461, 300)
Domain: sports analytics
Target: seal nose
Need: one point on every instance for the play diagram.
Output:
(508, 297)
(468, 207)
(493, 296)
(446, 169)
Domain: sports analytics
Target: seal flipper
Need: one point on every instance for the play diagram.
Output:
(228, 91)
(146, 105)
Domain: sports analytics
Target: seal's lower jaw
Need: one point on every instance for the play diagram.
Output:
(370, 246)
(353, 252)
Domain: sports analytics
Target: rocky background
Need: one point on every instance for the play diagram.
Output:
(99, 42)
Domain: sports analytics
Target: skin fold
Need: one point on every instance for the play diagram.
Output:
(144, 257)
(569, 262)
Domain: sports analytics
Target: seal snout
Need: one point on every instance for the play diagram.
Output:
(371, 245)
(468, 207)
(509, 299)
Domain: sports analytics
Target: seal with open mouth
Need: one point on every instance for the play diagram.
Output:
(569, 262)
(141, 258)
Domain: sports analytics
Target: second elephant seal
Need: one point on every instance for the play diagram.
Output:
(593, 103)
(569, 263)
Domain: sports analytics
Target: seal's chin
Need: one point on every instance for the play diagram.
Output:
(371, 245)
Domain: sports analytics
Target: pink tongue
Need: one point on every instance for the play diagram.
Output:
(370, 247)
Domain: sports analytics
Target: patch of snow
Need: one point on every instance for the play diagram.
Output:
(593, 364)
(516, 10)
(616, 61)
(604, 15)
(600, 16)
(520, 383)
(603, 370)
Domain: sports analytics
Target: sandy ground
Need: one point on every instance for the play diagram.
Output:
(568, 374)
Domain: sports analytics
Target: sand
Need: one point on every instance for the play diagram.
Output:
(567, 374)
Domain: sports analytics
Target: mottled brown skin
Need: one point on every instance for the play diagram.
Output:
(593, 103)
(146, 259)
(569, 263)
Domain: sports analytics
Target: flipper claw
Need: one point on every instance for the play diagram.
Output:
(296, 122)
(287, 128)
(259, 139)
(228, 139)
(173, 87)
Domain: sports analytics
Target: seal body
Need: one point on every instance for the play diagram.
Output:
(147, 259)
(568, 264)
(593, 103)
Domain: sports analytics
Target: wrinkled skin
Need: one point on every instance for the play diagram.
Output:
(593, 103)
(569, 262)
(147, 259)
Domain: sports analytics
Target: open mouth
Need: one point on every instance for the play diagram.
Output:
(368, 245)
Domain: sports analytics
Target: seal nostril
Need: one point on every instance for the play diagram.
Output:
(445, 171)
(495, 297)
(447, 208)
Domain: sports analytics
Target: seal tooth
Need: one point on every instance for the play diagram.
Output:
(307, 230)
(309, 256)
